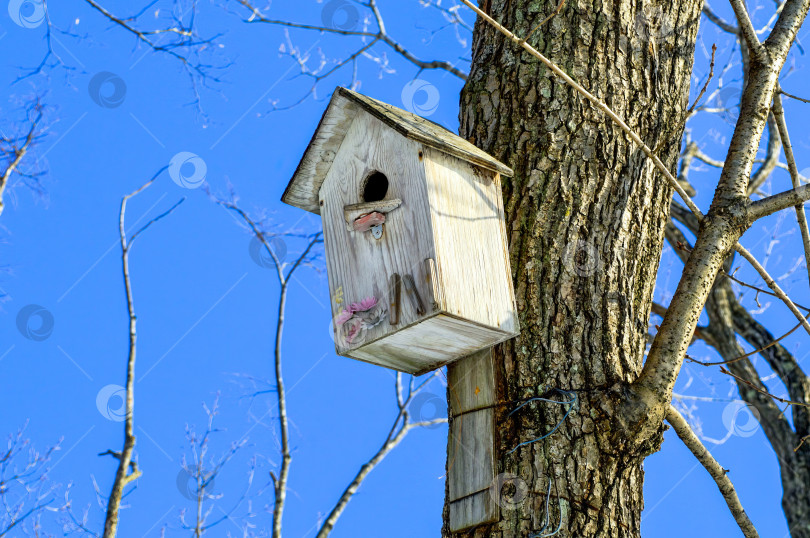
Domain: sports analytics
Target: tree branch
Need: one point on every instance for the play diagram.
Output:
(716, 471)
(778, 202)
(801, 217)
(746, 28)
(399, 430)
(15, 149)
(381, 35)
(123, 476)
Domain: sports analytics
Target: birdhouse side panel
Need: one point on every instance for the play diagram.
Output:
(470, 236)
(374, 236)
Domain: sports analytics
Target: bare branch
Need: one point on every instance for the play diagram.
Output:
(399, 430)
(716, 471)
(761, 391)
(778, 202)
(773, 285)
(381, 35)
(14, 149)
(25, 491)
(725, 26)
(747, 30)
(801, 217)
(771, 158)
(280, 481)
(128, 470)
(786, 94)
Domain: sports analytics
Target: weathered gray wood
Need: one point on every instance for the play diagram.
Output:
(428, 344)
(358, 264)
(471, 511)
(352, 211)
(471, 383)
(470, 458)
(394, 299)
(425, 131)
(432, 281)
(303, 189)
(469, 235)
(415, 340)
(413, 295)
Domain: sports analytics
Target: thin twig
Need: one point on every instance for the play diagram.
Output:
(801, 217)
(691, 109)
(544, 21)
(741, 357)
(786, 94)
(763, 392)
(399, 429)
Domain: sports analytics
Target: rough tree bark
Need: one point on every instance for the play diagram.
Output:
(585, 214)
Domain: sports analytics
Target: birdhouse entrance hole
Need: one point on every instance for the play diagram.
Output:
(375, 187)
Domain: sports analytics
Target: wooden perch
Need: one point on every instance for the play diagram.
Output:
(354, 211)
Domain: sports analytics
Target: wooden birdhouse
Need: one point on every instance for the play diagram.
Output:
(414, 235)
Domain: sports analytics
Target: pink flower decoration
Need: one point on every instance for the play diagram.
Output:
(354, 329)
(344, 316)
(366, 304)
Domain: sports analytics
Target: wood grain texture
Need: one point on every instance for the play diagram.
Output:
(470, 511)
(429, 344)
(470, 458)
(431, 273)
(357, 264)
(425, 131)
(353, 211)
(302, 190)
(470, 241)
(441, 200)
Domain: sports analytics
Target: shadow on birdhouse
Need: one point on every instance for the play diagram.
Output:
(414, 235)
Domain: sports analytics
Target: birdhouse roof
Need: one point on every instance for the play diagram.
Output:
(345, 104)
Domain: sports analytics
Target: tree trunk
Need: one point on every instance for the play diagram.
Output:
(585, 217)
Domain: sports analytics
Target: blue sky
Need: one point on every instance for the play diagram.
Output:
(206, 310)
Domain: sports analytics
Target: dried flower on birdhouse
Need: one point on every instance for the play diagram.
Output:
(352, 322)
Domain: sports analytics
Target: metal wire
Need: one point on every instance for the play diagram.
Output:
(570, 403)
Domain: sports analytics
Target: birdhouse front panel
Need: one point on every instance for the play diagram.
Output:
(414, 236)
(374, 267)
